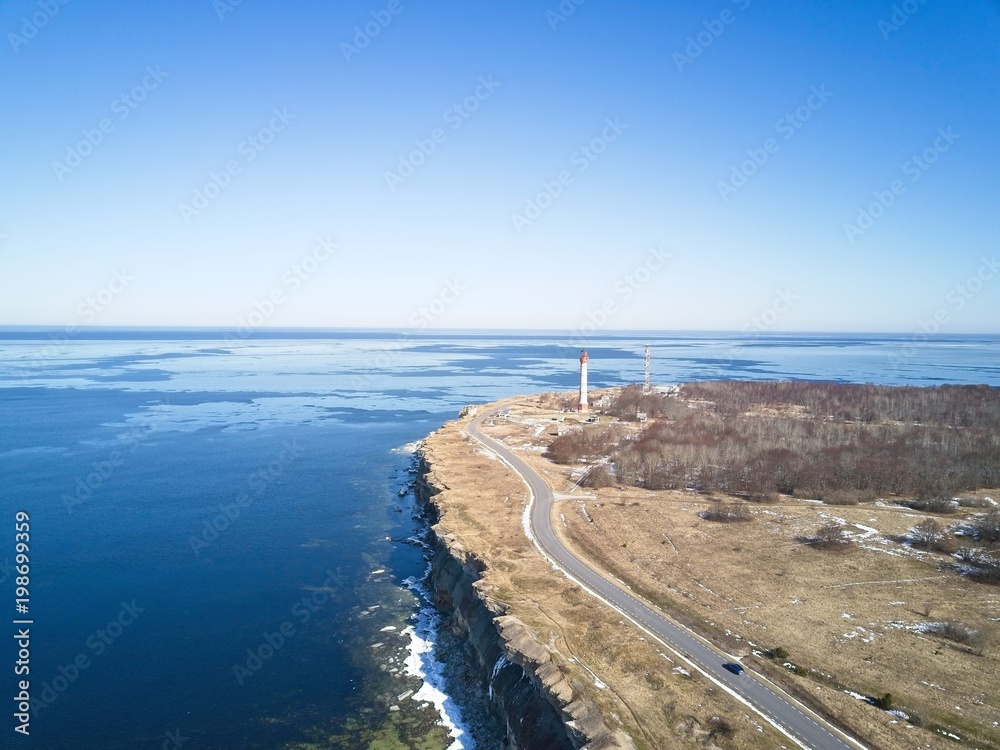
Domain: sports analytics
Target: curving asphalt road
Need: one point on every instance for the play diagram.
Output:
(791, 719)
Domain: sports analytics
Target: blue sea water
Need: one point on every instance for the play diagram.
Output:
(195, 497)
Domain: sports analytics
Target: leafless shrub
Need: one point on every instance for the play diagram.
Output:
(831, 536)
(598, 477)
(976, 638)
(971, 554)
(929, 534)
(932, 504)
(566, 448)
(884, 701)
(954, 630)
(986, 571)
(841, 497)
(758, 497)
(974, 502)
(727, 512)
(980, 565)
(988, 526)
(632, 401)
(558, 401)
(587, 442)
(719, 727)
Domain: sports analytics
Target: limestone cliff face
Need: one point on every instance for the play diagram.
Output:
(529, 696)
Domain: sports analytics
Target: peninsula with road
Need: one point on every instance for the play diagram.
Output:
(725, 565)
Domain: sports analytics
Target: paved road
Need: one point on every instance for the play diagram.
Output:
(791, 718)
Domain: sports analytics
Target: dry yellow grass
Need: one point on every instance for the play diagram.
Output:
(639, 688)
(852, 616)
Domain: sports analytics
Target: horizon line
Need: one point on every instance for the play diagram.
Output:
(263, 331)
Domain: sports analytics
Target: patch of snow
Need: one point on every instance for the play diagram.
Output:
(597, 680)
(967, 570)
(841, 521)
(534, 448)
(667, 538)
(866, 636)
(699, 583)
(918, 627)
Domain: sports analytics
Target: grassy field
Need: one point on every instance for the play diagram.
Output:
(847, 625)
(638, 687)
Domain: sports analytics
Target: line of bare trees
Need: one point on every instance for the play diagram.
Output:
(753, 439)
(946, 405)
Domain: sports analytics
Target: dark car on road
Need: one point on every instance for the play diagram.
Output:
(734, 667)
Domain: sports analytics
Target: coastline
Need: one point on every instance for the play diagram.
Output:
(539, 698)
(433, 654)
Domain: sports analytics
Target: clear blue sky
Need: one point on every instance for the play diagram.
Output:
(690, 111)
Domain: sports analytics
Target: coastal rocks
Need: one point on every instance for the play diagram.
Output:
(529, 696)
(582, 719)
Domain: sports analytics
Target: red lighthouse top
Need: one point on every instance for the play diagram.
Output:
(583, 355)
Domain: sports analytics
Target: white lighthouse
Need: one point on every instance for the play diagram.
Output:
(583, 381)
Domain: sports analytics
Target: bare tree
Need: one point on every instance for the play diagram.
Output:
(836, 442)
(831, 536)
(727, 512)
(977, 638)
(988, 526)
(929, 533)
(597, 477)
(971, 554)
